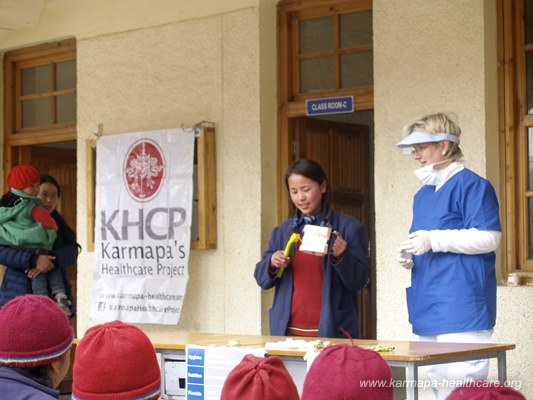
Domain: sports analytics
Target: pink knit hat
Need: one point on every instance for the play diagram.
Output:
(485, 390)
(259, 378)
(345, 371)
(115, 361)
(34, 331)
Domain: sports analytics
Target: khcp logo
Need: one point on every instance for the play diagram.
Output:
(144, 170)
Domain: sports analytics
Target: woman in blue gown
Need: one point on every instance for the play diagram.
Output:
(450, 249)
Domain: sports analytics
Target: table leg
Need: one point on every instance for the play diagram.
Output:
(411, 379)
(502, 367)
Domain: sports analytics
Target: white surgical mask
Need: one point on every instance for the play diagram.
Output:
(429, 175)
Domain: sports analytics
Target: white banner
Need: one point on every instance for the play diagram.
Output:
(144, 191)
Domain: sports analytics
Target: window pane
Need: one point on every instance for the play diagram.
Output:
(356, 29)
(530, 186)
(529, 81)
(530, 212)
(36, 80)
(529, 21)
(66, 75)
(317, 74)
(66, 108)
(530, 157)
(316, 35)
(357, 69)
(36, 112)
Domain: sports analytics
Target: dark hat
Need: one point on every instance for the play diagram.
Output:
(115, 361)
(34, 331)
(345, 371)
(259, 378)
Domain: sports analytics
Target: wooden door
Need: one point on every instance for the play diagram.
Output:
(61, 164)
(343, 151)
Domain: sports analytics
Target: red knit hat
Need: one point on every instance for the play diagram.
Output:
(343, 371)
(22, 176)
(259, 378)
(485, 390)
(115, 361)
(34, 331)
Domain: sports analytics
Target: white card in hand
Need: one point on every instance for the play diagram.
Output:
(315, 240)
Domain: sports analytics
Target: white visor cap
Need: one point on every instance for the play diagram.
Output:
(418, 137)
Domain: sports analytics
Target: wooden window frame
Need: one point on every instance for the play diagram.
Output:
(514, 122)
(90, 170)
(206, 185)
(14, 61)
(335, 11)
(289, 13)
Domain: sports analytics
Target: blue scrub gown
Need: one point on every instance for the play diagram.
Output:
(453, 292)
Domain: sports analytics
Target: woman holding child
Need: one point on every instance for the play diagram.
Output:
(22, 265)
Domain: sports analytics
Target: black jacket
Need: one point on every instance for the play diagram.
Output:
(16, 261)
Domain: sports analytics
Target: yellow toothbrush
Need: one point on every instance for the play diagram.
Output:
(295, 237)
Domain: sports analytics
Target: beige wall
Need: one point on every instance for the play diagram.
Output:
(85, 19)
(146, 67)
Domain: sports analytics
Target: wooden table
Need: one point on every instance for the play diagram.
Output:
(407, 354)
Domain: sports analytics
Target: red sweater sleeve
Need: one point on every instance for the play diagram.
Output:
(39, 214)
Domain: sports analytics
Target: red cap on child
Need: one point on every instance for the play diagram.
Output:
(259, 378)
(485, 390)
(117, 361)
(22, 176)
(34, 332)
(344, 371)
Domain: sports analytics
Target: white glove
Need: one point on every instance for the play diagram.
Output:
(405, 259)
(418, 243)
